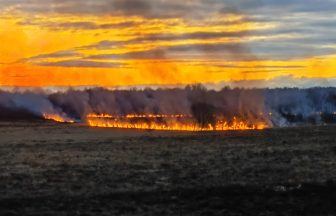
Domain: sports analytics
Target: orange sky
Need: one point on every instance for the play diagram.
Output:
(56, 49)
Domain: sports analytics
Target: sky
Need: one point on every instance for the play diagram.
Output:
(167, 42)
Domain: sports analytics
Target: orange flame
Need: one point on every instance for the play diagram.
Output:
(130, 116)
(57, 118)
(109, 121)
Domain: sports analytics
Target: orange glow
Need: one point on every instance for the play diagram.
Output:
(170, 123)
(130, 116)
(57, 118)
(24, 45)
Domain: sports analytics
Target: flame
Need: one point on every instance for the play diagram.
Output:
(131, 116)
(57, 118)
(146, 122)
(92, 115)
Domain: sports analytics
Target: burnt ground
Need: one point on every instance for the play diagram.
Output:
(60, 169)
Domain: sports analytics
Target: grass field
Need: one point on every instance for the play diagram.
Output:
(61, 169)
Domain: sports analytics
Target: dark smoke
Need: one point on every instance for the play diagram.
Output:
(276, 107)
(204, 114)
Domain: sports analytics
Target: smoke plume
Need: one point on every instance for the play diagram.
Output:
(275, 107)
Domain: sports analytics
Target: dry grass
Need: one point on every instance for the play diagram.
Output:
(60, 169)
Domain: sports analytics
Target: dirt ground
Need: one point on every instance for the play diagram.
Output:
(61, 169)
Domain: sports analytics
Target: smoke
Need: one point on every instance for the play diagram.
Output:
(26, 105)
(275, 107)
(308, 106)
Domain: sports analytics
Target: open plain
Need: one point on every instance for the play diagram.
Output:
(69, 169)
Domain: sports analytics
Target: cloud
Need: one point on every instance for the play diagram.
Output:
(234, 51)
(81, 63)
(144, 8)
(78, 25)
(166, 37)
(225, 51)
(290, 42)
(302, 28)
(104, 45)
(190, 36)
(59, 54)
(288, 81)
(288, 51)
(260, 66)
(171, 8)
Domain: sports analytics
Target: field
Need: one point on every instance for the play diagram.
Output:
(62, 169)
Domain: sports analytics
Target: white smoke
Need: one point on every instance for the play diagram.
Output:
(276, 107)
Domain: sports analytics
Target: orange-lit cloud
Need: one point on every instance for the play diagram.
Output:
(123, 43)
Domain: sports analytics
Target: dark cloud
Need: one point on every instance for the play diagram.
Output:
(237, 51)
(260, 71)
(260, 66)
(81, 63)
(190, 36)
(287, 50)
(104, 45)
(59, 54)
(145, 8)
(79, 25)
(229, 51)
(276, 6)
(309, 25)
(171, 8)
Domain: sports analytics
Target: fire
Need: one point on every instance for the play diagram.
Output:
(131, 116)
(57, 118)
(92, 115)
(172, 123)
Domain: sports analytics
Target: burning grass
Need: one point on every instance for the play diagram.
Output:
(57, 118)
(175, 122)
